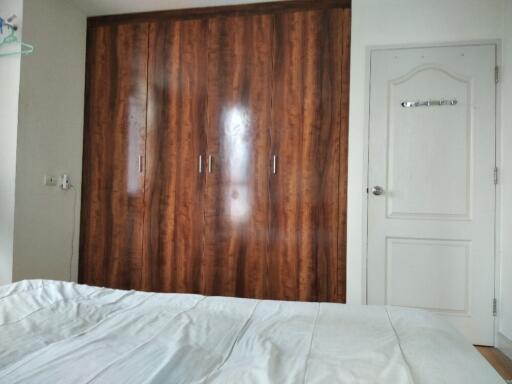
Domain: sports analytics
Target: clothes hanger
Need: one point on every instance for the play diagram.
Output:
(12, 38)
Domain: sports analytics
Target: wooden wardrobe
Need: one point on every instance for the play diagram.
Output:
(215, 151)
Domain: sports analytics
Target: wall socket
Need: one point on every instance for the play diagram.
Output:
(65, 182)
(50, 181)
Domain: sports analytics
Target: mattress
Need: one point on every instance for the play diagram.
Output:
(57, 332)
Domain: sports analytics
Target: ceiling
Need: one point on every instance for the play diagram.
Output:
(111, 7)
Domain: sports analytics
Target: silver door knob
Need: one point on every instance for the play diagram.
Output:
(377, 191)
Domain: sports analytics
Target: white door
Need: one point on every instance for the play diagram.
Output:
(432, 153)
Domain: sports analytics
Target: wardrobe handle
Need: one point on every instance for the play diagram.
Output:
(141, 159)
(200, 164)
(274, 164)
(210, 164)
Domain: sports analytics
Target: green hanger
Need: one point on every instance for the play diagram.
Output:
(12, 38)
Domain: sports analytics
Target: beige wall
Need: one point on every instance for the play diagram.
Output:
(395, 22)
(9, 86)
(50, 129)
(49, 140)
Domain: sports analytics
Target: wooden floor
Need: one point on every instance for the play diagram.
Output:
(498, 360)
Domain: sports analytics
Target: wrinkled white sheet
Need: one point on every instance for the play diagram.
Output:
(54, 332)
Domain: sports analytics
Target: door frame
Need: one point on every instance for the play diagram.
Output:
(366, 158)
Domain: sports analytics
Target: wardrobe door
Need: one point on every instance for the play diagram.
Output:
(173, 230)
(309, 136)
(239, 105)
(114, 141)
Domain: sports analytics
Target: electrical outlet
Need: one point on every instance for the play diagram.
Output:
(65, 182)
(50, 181)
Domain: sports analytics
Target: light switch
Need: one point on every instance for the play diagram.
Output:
(50, 181)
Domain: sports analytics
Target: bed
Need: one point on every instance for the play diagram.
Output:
(57, 332)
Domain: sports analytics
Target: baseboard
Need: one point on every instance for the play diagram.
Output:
(504, 344)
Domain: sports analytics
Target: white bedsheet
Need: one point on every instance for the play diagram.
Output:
(54, 332)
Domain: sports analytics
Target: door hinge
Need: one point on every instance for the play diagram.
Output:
(494, 307)
(495, 175)
(497, 74)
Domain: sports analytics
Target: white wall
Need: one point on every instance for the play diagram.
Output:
(505, 302)
(50, 132)
(49, 139)
(9, 86)
(110, 7)
(390, 22)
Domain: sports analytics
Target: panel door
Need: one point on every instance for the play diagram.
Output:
(432, 152)
(175, 178)
(239, 104)
(114, 141)
(309, 136)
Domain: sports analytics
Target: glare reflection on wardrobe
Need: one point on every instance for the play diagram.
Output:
(135, 159)
(237, 144)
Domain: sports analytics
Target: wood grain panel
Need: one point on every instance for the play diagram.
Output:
(114, 138)
(239, 105)
(307, 130)
(343, 177)
(173, 251)
(240, 84)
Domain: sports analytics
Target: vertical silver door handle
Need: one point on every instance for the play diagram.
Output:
(141, 159)
(274, 164)
(200, 164)
(210, 164)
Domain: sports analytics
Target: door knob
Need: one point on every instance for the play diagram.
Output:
(377, 191)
